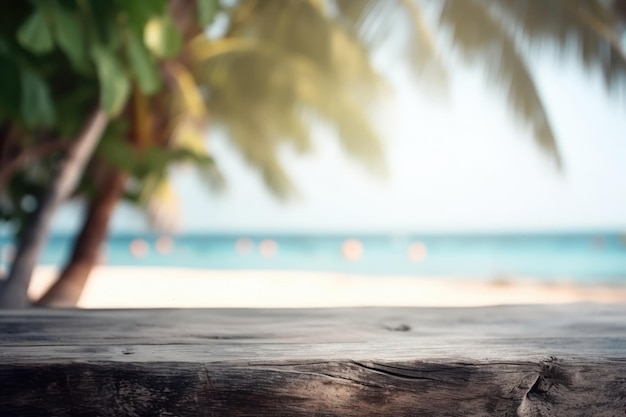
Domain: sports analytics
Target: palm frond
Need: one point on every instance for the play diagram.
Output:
(161, 203)
(423, 55)
(187, 90)
(374, 21)
(189, 140)
(186, 147)
(265, 96)
(260, 151)
(303, 28)
(586, 27)
(480, 36)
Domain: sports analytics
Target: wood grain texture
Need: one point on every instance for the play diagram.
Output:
(503, 361)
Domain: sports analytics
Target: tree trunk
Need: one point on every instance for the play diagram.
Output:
(67, 290)
(14, 291)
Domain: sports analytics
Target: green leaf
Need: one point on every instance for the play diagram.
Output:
(101, 20)
(140, 11)
(73, 106)
(10, 88)
(161, 37)
(118, 154)
(207, 10)
(70, 37)
(34, 34)
(37, 107)
(114, 85)
(154, 159)
(5, 50)
(143, 65)
(114, 149)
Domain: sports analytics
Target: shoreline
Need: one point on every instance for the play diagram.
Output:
(155, 287)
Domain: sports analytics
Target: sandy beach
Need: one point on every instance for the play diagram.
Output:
(132, 287)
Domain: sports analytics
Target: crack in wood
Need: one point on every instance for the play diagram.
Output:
(379, 368)
(282, 368)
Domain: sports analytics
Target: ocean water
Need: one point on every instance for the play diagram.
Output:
(584, 258)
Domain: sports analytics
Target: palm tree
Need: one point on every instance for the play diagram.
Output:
(282, 65)
(64, 58)
(264, 92)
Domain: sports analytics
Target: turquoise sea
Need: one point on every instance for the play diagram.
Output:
(584, 258)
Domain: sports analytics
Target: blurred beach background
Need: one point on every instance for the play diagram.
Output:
(476, 203)
(210, 270)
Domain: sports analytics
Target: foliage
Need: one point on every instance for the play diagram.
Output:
(58, 60)
(277, 68)
(500, 36)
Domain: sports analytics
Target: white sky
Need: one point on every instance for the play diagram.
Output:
(463, 164)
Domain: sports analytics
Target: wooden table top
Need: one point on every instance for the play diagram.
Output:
(509, 360)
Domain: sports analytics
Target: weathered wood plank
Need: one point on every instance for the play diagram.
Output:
(325, 388)
(527, 361)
